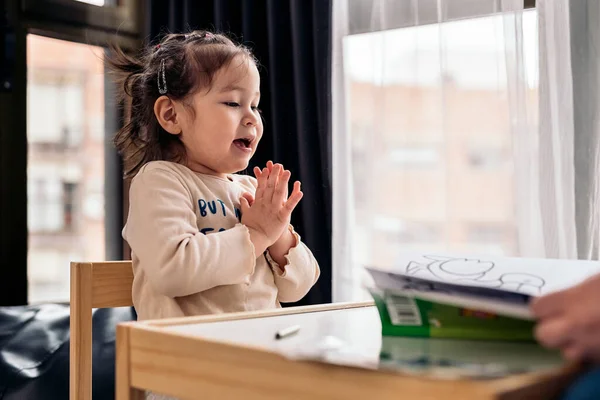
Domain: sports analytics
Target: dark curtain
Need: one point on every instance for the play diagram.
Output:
(291, 39)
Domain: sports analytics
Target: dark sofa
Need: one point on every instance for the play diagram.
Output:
(34, 351)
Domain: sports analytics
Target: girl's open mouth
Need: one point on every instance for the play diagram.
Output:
(243, 144)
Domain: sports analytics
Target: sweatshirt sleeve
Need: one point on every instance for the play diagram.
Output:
(300, 273)
(178, 259)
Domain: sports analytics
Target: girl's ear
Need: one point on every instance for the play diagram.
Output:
(167, 116)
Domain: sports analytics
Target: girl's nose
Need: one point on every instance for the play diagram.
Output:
(251, 119)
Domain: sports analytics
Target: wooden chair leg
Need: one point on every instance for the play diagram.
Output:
(80, 357)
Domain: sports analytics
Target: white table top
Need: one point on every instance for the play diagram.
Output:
(358, 333)
(354, 325)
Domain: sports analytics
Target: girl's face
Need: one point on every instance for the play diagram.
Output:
(222, 133)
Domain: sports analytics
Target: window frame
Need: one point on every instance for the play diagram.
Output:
(122, 18)
(18, 18)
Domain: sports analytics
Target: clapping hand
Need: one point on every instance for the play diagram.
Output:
(267, 214)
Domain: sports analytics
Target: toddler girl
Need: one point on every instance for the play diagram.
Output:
(204, 239)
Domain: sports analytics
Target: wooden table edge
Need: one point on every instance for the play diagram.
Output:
(543, 382)
(251, 314)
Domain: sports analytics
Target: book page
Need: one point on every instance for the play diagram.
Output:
(531, 276)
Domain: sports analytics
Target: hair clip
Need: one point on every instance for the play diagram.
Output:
(208, 35)
(162, 87)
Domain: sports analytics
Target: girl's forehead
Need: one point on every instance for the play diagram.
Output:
(239, 73)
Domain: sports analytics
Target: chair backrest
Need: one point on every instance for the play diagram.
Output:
(93, 285)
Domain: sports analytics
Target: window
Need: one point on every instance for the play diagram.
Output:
(62, 188)
(46, 211)
(55, 99)
(65, 166)
(437, 165)
(68, 201)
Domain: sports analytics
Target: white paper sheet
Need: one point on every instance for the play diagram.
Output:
(532, 276)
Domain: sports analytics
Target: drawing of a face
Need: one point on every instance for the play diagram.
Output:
(466, 268)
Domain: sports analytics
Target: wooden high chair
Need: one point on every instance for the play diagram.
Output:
(93, 285)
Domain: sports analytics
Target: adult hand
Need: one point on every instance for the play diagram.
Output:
(569, 320)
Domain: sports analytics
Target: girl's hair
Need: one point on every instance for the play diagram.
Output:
(179, 66)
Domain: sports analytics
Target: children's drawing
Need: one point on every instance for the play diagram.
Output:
(521, 282)
(471, 270)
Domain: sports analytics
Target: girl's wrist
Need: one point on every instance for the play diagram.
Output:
(282, 246)
(259, 240)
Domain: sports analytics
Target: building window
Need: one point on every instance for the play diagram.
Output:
(45, 206)
(56, 108)
(69, 196)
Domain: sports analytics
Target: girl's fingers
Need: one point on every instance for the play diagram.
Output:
(244, 206)
(262, 184)
(270, 165)
(280, 194)
(257, 172)
(248, 197)
(286, 193)
(297, 187)
(293, 201)
(272, 183)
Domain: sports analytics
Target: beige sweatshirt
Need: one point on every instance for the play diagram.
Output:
(191, 254)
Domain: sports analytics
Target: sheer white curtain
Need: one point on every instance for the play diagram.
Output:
(569, 132)
(556, 132)
(454, 129)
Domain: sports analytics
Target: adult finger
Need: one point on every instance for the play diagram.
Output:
(586, 341)
(550, 304)
(573, 352)
(553, 333)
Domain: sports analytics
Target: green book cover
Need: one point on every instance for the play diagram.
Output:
(415, 317)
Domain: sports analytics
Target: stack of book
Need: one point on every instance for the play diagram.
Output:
(468, 297)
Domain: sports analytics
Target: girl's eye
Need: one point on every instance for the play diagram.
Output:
(231, 104)
(254, 108)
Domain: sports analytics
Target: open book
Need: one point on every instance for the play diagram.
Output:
(457, 296)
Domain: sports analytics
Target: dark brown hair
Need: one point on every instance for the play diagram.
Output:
(190, 63)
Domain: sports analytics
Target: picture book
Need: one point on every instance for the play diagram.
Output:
(468, 297)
